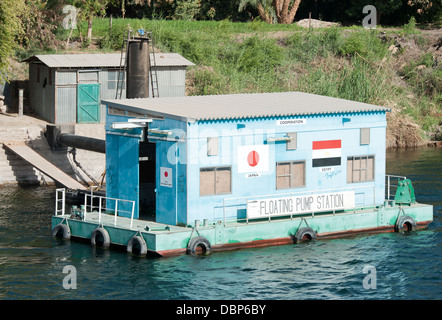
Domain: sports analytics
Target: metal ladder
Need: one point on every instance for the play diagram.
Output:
(121, 75)
(153, 67)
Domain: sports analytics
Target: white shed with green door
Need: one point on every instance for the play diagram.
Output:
(68, 88)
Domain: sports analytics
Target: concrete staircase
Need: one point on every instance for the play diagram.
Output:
(14, 170)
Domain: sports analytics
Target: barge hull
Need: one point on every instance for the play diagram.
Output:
(173, 240)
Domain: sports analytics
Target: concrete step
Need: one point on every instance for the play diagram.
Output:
(13, 169)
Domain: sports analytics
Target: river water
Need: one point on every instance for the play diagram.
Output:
(397, 266)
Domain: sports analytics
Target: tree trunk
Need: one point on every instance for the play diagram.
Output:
(284, 13)
(89, 29)
(266, 16)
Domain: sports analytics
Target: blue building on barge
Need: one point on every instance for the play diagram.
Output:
(241, 170)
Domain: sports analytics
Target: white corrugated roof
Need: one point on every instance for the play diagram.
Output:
(94, 60)
(240, 106)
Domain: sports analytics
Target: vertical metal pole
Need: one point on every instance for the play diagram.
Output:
(85, 206)
(313, 213)
(20, 102)
(388, 188)
(132, 216)
(116, 210)
(56, 202)
(224, 211)
(354, 208)
(247, 216)
(63, 203)
(374, 196)
(99, 209)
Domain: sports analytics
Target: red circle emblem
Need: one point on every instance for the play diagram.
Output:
(253, 158)
(166, 174)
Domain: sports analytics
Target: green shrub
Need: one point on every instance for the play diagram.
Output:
(364, 42)
(305, 47)
(410, 27)
(258, 55)
(187, 10)
(113, 40)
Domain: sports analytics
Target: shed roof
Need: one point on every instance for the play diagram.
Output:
(94, 60)
(240, 106)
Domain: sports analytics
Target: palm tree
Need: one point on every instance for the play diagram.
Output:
(281, 11)
(264, 7)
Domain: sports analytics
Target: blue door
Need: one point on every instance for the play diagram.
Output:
(122, 172)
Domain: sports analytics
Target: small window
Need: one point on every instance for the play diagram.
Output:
(292, 144)
(116, 111)
(215, 181)
(112, 79)
(88, 76)
(290, 174)
(212, 146)
(365, 136)
(360, 169)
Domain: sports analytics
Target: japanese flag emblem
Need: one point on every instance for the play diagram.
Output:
(253, 158)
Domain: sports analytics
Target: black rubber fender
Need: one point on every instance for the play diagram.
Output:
(201, 242)
(137, 246)
(405, 224)
(100, 238)
(305, 234)
(61, 231)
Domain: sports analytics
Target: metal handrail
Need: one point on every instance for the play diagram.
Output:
(390, 185)
(103, 209)
(60, 200)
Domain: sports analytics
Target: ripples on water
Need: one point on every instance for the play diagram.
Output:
(407, 266)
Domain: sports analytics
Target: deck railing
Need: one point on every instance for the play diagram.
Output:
(94, 204)
(106, 205)
(391, 184)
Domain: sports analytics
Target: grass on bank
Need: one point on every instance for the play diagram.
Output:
(350, 63)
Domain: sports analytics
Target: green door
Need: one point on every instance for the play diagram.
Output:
(88, 103)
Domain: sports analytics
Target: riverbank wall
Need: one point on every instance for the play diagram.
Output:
(31, 131)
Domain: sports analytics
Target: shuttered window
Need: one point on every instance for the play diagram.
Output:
(365, 136)
(292, 144)
(360, 169)
(290, 174)
(216, 180)
(212, 146)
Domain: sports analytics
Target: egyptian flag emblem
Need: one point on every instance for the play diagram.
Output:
(326, 153)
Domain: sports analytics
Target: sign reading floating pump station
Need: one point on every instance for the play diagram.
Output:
(300, 204)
